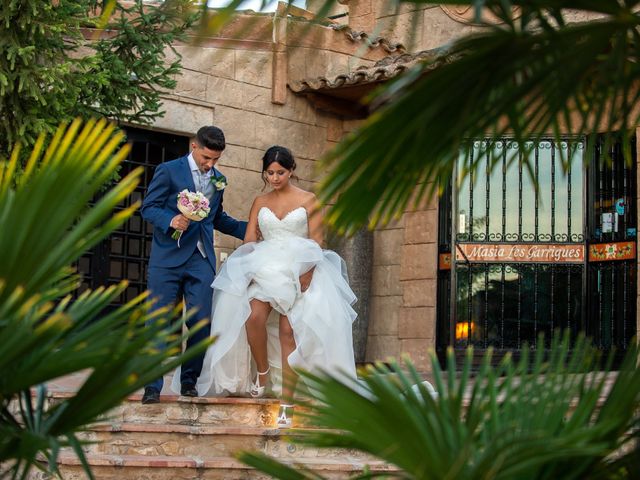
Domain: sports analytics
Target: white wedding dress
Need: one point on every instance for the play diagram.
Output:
(269, 270)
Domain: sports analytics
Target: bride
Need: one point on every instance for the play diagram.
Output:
(280, 301)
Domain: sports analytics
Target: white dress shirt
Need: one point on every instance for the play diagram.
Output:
(203, 184)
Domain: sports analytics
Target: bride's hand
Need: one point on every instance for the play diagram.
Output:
(305, 280)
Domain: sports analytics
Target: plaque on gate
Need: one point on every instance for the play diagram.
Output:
(607, 252)
(519, 253)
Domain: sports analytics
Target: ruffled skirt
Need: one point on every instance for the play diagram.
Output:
(321, 317)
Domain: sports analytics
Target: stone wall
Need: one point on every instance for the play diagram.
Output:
(418, 275)
(387, 293)
(229, 81)
(403, 302)
(419, 27)
(233, 86)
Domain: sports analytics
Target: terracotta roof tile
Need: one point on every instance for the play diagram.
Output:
(372, 42)
(382, 70)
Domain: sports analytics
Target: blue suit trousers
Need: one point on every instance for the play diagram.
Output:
(192, 280)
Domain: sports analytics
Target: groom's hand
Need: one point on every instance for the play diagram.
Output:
(180, 222)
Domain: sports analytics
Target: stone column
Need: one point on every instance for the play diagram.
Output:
(418, 274)
(357, 252)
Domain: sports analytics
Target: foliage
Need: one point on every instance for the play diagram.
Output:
(524, 71)
(532, 75)
(537, 418)
(88, 58)
(45, 333)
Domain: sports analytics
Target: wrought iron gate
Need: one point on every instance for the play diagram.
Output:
(522, 263)
(612, 232)
(124, 254)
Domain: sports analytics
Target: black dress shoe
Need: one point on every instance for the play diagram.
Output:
(188, 390)
(151, 395)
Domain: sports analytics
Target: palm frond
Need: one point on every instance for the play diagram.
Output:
(532, 76)
(48, 224)
(544, 416)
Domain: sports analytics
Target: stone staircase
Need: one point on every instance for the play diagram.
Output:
(197, 438)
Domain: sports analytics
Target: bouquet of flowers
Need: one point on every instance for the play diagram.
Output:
(194, 206)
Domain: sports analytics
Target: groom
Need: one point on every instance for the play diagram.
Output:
(188, 269)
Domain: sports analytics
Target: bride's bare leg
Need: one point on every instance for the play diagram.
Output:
(287, 345)
(256, 327)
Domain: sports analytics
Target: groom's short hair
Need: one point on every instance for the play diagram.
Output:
(211, 137)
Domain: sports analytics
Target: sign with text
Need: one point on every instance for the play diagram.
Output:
(519, 253)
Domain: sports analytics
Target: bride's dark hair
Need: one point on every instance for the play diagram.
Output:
(281, 155)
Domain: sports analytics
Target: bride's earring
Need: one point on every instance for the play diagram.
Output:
(285, 416)
(257, 390)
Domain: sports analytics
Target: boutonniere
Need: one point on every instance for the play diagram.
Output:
(219, 182)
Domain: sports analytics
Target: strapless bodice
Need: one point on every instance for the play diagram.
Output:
(293, 224)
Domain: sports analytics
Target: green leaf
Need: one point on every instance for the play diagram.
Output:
(47, 334)
(531, 76)
(541, 417)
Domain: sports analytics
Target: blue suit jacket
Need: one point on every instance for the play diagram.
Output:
(160, 206)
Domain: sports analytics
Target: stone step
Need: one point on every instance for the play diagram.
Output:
(201, 441)
(118, 467)
(197, 438)
(178, 410)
